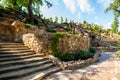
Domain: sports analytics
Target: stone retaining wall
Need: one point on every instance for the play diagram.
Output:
(41, 42)
(70, 65)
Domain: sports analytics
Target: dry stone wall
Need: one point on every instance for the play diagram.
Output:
(11, 30)
(41, 42)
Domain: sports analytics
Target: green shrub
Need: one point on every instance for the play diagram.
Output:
(50, 29)
(55, 39)
(4, 9)
(118, 54)
(118, 43)
(90, 55)
(30, 26)
(67, 57)
(83, 54)
(92, 50)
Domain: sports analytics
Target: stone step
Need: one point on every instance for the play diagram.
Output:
(15, 54)
(16, 51)
(25, 72)
(20, 48)
(40, 75)
(10, 43)
(24, 61)
(23, 66)
(12, 46)
(21, 57)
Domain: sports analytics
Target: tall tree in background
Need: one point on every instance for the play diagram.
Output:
(66, 20)
(115, 7)
(56, 20)
(31, 6)
(61, 19)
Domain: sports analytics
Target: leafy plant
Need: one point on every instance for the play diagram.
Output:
(118, 43)
(50, 30)
(30, 26)
(67, 57)
(92, 50)
(55, 39)
(4, 9)
(118, 54)
(83, 54)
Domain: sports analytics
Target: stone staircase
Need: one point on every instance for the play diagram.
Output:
(18, 62)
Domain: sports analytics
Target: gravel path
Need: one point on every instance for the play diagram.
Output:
(108, 68)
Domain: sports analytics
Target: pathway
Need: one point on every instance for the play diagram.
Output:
(108, 68)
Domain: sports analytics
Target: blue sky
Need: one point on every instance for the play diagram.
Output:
(79, 10)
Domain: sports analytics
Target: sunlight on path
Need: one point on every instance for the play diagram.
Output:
(108, 68)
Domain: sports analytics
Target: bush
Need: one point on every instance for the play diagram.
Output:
(92, 50)
(4, 9)
(50, 29)
(90, 55)
(118, 43)
(83, 54)
(67, 57)
(30, 26)
(118, 54)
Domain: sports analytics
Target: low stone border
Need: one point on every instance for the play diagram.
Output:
(70, 65)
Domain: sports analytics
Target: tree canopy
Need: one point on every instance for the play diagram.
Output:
(115, 7)
(29, 6)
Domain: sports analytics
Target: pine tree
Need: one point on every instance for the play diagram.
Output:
(61, 19)
(66, 20)
(56, 20)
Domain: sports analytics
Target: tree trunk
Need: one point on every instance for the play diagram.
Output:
(30, 11)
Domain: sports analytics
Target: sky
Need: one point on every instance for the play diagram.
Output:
(93, 11)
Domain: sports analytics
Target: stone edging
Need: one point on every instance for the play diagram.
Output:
(70, 65)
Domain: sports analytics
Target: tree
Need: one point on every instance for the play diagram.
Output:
(51, 20)
(115, 24)
(61, 19)
(56, 19)
(115, 7)
(32, 6)
(66, 20)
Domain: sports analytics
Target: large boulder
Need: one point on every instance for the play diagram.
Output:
(11, 30)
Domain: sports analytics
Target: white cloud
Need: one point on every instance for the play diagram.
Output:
(85, 6)
(70, 4)
(79, 15)
(104, 3)
(108, 25)
(56, 2)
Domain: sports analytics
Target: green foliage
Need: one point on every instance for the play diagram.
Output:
(56, 20)
(118, 54)
(4, 9)
(30, 26)
(51, 20)
(32, 7)
(50, 30)
(24, 20)
(66, 20)
(68, 29)
(61, 19)
(45, 21)
(95, 27)
(67, 57)
(114, 6)
(118, 43)
(115, 24)
(92, 50)
(55, 39)
(82, 54)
